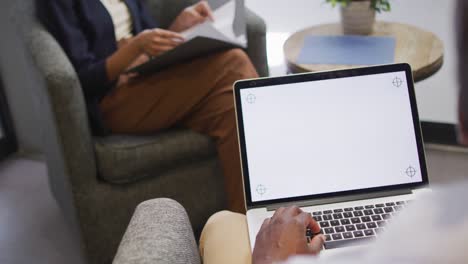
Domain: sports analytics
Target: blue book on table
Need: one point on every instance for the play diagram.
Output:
(347, 50)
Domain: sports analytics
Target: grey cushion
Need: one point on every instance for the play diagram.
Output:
(159, 232)
(124, 159)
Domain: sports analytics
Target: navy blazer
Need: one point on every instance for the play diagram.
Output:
(85, 30)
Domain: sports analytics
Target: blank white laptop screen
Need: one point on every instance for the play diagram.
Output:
(329, 136)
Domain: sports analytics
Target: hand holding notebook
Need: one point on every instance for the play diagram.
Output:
(209, 36)
(220, 27)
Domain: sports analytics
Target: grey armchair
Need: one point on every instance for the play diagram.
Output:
(99, 181)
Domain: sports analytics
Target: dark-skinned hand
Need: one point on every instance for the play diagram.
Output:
(283, 235)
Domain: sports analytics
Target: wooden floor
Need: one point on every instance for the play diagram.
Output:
(32, 229)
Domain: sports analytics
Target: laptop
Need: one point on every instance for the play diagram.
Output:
(344, 145)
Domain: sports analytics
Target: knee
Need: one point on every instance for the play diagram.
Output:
(223, 220)
(237, 54)
(221, 227)
(239, 59)
(241, 64)
(224, 216)
(220, 220)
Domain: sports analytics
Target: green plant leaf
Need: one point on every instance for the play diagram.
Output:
(387, 7)
(380, 5)
(377, 5)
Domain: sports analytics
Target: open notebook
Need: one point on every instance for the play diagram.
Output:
(204, 38)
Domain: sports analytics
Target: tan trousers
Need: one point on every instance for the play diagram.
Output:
(196, 95)
(225, 239)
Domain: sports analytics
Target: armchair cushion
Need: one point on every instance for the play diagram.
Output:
(159, 232)
(124, 159)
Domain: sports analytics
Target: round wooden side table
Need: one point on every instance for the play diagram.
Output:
(421, 49)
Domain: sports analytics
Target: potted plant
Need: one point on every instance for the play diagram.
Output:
(358, 16)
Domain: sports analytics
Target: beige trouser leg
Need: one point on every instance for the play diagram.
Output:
(225, 239)
(196, 95)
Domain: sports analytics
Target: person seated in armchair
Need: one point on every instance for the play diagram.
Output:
(104, 38)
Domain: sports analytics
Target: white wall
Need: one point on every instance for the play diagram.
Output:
(437, 96)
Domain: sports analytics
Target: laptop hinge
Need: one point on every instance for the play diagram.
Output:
(340, 199)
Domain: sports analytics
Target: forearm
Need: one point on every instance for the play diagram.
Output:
(118, 62)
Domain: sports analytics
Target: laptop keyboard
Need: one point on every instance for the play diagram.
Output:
(345, 226)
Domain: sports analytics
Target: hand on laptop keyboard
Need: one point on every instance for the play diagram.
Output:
(282, 236)
(344, 227)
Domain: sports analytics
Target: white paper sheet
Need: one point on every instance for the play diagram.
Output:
(221, 28)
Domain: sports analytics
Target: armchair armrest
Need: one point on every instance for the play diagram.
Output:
(159, 232)
(165, 11)
(256, 38)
